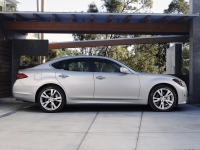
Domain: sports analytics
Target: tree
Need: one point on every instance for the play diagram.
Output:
(127, 6)
(55, 53)
(32, 61)
(112, 6)
(11, 7)
(144, 57)
(178, 7)
(186, 59)
(93, 8)
(161, 57)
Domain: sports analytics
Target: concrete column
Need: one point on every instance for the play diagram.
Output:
(174, 60)
(194, 76)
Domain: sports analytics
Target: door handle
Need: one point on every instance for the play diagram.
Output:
(63, 76)
(100, 77)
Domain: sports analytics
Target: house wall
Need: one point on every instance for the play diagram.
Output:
(5, 68)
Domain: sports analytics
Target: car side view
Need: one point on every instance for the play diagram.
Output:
(96, 80)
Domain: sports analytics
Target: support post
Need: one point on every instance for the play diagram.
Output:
(194, 75)
(174, 60)
(42, 58)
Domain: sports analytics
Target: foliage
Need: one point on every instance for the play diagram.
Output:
(127, 6)
(11, 7)
(31, 61)
(186, 60)
(55, 53)
(92, 8)
(178, 7)
(136, 58)
(181, 7)
(72, 52)
(148, 58)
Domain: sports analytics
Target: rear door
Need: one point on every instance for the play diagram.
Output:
(77, 79)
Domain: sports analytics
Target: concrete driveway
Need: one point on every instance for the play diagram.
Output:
(23, 126)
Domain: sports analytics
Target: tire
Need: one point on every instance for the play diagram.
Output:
(162, 98)
(51, 99)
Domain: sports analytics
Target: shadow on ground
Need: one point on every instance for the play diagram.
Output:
(103, 108)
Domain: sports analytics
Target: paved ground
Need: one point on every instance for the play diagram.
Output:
(23, 126)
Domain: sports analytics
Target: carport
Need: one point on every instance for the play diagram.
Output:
(19, 23)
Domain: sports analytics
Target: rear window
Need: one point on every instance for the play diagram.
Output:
(56, 65)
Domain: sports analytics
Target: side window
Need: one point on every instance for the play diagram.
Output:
(56, 65)
(81, 65)
(102, 65)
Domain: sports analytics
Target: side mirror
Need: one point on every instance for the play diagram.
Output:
(124, 70)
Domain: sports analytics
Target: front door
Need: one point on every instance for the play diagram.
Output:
(76, 78)
(111, 84)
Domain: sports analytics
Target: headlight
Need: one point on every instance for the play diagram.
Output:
(180, 82)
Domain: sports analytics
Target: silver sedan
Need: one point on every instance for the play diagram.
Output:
(96, 80)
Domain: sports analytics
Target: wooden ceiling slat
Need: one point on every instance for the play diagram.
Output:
(181, 20)
(91, 18)
(163, 20)
(2, 17)
(18, 17)
(145, 19)
(37, 17)
(56, 18)
(127, 19)
(110, 18)
(74, 18)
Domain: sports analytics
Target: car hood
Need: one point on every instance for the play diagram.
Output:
(156, 75)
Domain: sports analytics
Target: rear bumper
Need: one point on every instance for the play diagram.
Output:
(25, 93)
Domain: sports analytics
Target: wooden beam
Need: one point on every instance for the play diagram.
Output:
(97, 28)
(37, 17)
(56, 18)
(127, 19)
(145, 19)
(181, 20)
(92, 18)
(74, 18)
(17, 17)
(110, 18)
(163, 20)
(95, 43)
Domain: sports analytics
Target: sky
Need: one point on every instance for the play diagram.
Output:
(75, 6)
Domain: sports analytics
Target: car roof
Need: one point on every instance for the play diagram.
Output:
(47, 64)
(80, 56)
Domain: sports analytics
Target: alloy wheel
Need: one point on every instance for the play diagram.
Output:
(163, 98)
(50, 99)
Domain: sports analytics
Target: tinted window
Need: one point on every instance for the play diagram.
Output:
(56, 65)
(81, 65)
(103, 65)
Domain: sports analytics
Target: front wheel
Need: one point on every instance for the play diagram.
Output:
(162, 98)
(51, 99)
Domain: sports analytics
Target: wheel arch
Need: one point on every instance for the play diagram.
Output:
(49, 84)
(171, 86)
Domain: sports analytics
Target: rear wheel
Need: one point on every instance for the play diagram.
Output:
(162, 98)
(51, 99)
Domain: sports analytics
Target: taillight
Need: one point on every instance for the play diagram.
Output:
(21, 76)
